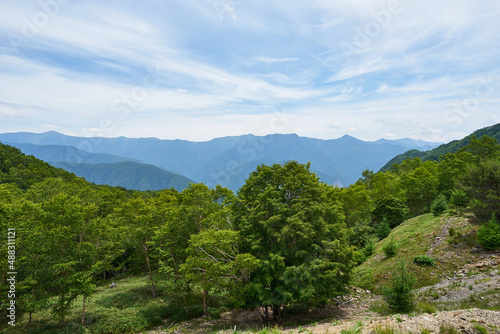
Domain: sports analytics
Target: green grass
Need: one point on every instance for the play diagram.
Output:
(355, 329)
(447, 329)
(413, 237)
(127, 309)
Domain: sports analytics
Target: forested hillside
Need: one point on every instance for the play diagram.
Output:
(285, 241)
(127, 174)
(451, 147)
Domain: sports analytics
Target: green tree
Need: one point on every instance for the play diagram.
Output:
(390, 209)
(215, 262)
(481, 183)
(439, 206)
(484, 147)
(383, 230)
(399, 295)
(286, 221)
(140, 219)
(421, 186)
(488, 235)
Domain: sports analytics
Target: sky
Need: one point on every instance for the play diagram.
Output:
(202, 69)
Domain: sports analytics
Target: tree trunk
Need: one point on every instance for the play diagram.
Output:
(205, 293)
(153, 293)
(266, 313)
(83, 311)
(276, 311)
(29, 323)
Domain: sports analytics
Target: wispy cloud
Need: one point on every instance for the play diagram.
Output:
(198, 70)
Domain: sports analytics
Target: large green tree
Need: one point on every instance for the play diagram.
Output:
(288, 223)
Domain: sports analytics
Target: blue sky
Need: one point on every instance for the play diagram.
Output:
(202, 69)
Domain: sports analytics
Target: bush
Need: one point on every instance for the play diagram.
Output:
(459, 198)
(119, 321)
(368, 249)
(488, 235)
(398, 294)
(390, 248)
(424, 260)
(383, 230)
(439, 205)
(391, 209)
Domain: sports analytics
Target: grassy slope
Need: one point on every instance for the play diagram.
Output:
(127, 309)
(422, 235)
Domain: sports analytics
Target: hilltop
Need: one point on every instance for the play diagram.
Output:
(492, 131)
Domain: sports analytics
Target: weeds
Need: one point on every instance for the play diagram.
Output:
(356, 329)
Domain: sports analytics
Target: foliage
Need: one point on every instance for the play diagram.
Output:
(459, 198)
(391, 209)
(390, 248)
(398, 294)
(439, 205)
(368, 249)
(451, 147)
(482, 184)
(214, 261)
(24, 170)
(293, 224)
(383, 230)
(425, 260)
(488, 234)
(128, 174)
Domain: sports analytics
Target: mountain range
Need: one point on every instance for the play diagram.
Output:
(226, 161)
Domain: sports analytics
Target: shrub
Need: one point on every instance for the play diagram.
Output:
(424, 260)
(119, 321)
(398, 294)
(390, 248)
(459, 198)
(383, 230)
(488, 235)
(439, 205)
(368, 249)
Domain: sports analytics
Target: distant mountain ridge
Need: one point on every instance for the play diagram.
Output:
(128, 174)
(61, 153)
(229, 160)
(451, 147)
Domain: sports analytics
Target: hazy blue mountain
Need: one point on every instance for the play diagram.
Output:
(451, 147)
(68, 154)
(131, 175)
(229, 160)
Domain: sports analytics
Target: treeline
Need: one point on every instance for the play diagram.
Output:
(451, 147)
(284, 240)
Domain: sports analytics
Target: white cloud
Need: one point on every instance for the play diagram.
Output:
(220, 69)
